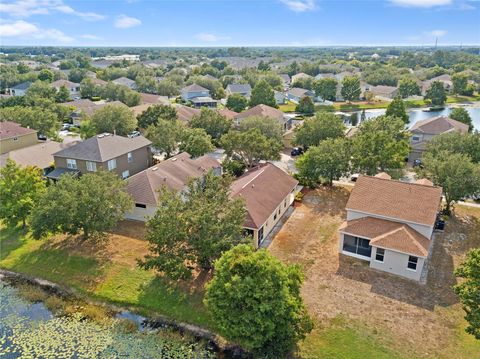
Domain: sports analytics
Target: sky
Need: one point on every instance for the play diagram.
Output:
(239, 22)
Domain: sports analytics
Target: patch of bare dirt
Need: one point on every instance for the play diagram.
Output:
(422, 319)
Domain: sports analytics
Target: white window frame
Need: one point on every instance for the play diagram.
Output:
(112, 164)
(382, 254)
(91, 166)
(129, 157)
(71, 163)
(125, 174)
(416, 263)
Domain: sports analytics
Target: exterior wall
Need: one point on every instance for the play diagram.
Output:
(272, 221)
(188, 95)
(142, 159)
(422, 229)
(396, 263)
(141, 214)
(10, 144)
(18, 92)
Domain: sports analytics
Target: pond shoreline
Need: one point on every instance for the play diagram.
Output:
(215, 341)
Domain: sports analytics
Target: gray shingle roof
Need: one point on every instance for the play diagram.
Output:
(194, 88)
(103, 147)
(239, 88)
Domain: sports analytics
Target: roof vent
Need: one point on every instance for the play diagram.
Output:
(174, 159)
(154, 168)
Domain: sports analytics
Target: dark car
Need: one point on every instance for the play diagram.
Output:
(41, 137)
(296, 151)
(417, 163)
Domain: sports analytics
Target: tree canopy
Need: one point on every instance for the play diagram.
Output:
(117, 119)
(467, 144)
(326, 88)
(318, 128)
(408, 87)
(305, 106)
(269, 127)
(397, 109)
(196, 142)
(193, 227)
(154, 113)
(93, 204)
(255, 300)
(462, 115)
(236, 102)
(350, 88)
(214, 123)
(20, 189)
(380, 143)
(262, 93)
(436, 94)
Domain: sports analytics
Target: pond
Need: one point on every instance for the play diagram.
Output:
(418, 114)
(29, 329)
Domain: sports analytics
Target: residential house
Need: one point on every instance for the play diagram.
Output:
(20, 89)
(72, 87)
(123, 155)
(268, 192)
(390, 224)
(265, 111)
(300, 76)
(98, 82)
(242, 89)
(185, 113)
(286, 80)
(199, 102)
(125, 81)
(229, 114)
(194, 90)
(384, 92)
(13, 136)
(86, 107)
(280, 97)
(425, 130)
(154, 99)
(445, 79)
(39, 155)
(295, 94)
(173, 173)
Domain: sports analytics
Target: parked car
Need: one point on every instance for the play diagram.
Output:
(296, 151)
(417, 163)
(41, 137)
(354, 177)
(66, 126)
(134, 134)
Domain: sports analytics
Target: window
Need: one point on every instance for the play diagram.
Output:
(260, 235)
(412, 262)
(380, 254)
(15, 138)
(72, 164)
(112, 164)
(279, 211)
(129, 157)
(125, 174)
(275, 217)
(285, 203)
(91, 166)
(140, 205)
(357, 245)
(416, 138)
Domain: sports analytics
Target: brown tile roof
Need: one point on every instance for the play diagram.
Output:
(153, 99)
(383, 175)
(89, 107)
(194, 88)
(261, 110)
(228, 113)
(173, 173)
(66, 83)
(424, 181)
(439, 125)
(410, 202)
(185, 113)
(39, 155)
(263, 189)
(103, 147)
(9, 129)
(389, 235)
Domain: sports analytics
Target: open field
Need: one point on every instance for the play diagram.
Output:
(364, 313)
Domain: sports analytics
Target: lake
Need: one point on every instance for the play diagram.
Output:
(418, 114)
(30, 330)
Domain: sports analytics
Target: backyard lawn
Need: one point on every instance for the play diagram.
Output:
(362, 313)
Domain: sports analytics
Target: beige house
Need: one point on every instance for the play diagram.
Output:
(264, 111)
(425, 130)
(268, 192)
(173, 173)
(123, 155)
(13, 136)
(72, 87)
(390, 224)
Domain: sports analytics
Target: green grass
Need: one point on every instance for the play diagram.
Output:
(109, 281)
(339, 341)
(288, 107)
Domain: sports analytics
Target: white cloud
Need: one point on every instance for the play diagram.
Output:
(125, 22)
(436, 33)
(27, 8)
(23, 29)
(208, 37)
(300, 5)
(421, 3)
(90, 37)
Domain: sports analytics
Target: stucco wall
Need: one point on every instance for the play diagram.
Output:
(396, 263)
(9, 144)
(141, 214)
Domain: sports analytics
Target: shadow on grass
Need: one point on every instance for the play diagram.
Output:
(11, 238)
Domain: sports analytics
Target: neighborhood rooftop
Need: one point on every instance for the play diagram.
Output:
(439, 125)
(103, 147)
(410, 202)
(10, 129)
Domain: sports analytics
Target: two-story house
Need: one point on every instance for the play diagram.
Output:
(20, 89)
(264, 111)
(425, 130)
(173, 173)
(72, 87)
(390, 224)
(295, 94)
(189, 92)
(242, 89)
(13, 136)
(123, 155)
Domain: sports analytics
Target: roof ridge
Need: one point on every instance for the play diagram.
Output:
(398, 181)
(415, 242)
